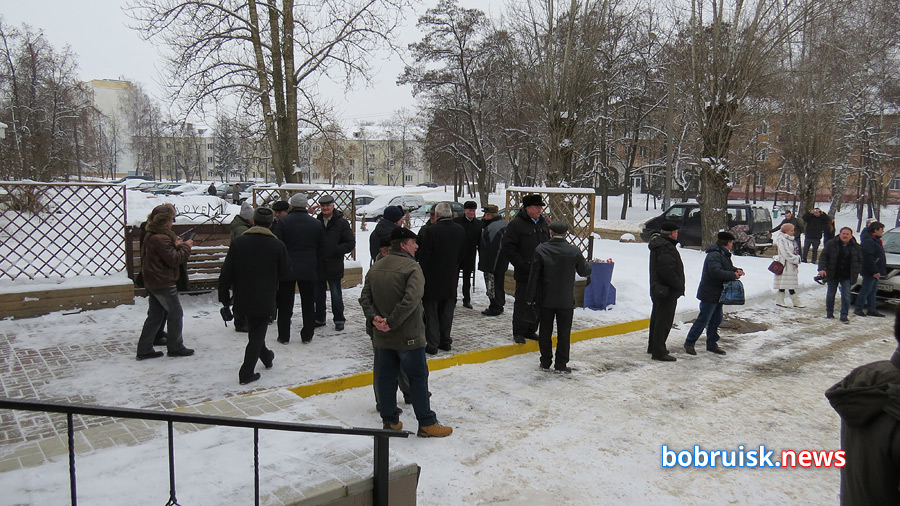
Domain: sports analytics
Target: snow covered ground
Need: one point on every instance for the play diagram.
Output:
(521, 436)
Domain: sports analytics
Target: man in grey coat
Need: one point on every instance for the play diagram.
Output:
(551, 285)
(391, 299)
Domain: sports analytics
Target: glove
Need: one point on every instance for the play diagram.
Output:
(226, 314)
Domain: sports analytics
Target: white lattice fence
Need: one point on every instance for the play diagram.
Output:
(50, 230)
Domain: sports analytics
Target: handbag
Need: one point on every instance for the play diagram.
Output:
(776, 267)
(732, 293)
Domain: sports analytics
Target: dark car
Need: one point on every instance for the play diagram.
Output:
(424, 212)
(429, 184)
(687, 216)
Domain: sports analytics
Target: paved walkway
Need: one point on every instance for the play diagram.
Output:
(101, 343)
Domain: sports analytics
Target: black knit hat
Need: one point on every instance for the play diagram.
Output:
(559, 227)
(263, 216)
(280, 206)
(725, 236)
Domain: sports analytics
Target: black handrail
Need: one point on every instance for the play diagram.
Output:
(381, 445)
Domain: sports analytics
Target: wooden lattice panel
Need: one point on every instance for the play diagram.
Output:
(344, 201)
(58, 230)
(575, 206)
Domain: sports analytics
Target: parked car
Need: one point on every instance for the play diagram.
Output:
(164, 188)
(225, 190)
(190, 189)
(687, 217)
(429, 184)
(375, 209)
(149, 186)
(424, 212)
(888, 286)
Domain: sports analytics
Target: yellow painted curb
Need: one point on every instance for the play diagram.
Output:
(330, 386)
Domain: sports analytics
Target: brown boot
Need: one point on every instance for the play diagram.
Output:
(436, 430)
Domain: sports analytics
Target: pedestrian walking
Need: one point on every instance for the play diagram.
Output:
(303, 236)
(339, 240)
(391, 299)
(666, 286)
(717, 270)
(255, 263)
(551, 286)
(788, 256)
(524, 233)
(840, 264)
(491, 260)
(161, 254)
(869, 407)
(874, 267)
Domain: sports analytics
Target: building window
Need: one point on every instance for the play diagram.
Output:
(763, 129)
(391, 163)
(209, 147)
(762, 155)
(760, 179)
(643, 151)
(895, 183)
(352, 163)
(350, 177)
(209, 159)
(408, 178)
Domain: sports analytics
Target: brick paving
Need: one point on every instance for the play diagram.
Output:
(28, 438)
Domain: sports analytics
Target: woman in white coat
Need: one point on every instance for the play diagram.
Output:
(789, 256)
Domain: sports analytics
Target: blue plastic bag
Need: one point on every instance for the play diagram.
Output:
(600, 293)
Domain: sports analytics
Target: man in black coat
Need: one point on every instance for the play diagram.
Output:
(390, 219)
(441, 248)
(717, 270)
(868, 400)
(798, 227)
(874, 267)
(255, 263)
(491, 260)
(666, 286)
(840, 263)
(551, 285)
(339, 240)
(303, 235)
(523, 234)
(472, 226)
(817, 223)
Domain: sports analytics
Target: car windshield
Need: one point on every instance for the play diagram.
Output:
(891, 241)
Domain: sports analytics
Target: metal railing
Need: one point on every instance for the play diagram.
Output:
(380, 478)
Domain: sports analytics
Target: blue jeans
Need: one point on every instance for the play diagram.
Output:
(412, 362)
(710, 317)
(164, 307)
(337, 300)
(845, 296)
(866, 296)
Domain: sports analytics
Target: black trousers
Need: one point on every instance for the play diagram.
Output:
(814, 243)
(524, 321)
(438, 320)
(496, 293)
(256, 345)
(467, 268)
(661, 318)
(285, 302)
(563, 333)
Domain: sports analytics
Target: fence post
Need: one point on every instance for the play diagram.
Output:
(71, 432)
(381, 476)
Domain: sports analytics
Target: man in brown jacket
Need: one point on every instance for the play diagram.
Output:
(392, 302)
(161, 254)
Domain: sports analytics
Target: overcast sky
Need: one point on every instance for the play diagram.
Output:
(98, 33)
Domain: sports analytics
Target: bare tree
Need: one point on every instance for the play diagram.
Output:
(268, 54)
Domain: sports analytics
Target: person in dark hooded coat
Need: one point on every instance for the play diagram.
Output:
(390, 219)
(666, 286)
(868, 400)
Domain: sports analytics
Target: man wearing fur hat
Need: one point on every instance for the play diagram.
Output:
(523, 235)
(551, 287)
(717, 269)
(391, 299)
(255, 263)
(303, 236)
(666, 286)
(161, 254)
(472, 226)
